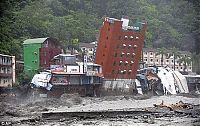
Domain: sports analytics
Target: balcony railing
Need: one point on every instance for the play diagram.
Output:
(6, 64)
(5, 74)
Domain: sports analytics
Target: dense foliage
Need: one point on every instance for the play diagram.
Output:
(171, 23)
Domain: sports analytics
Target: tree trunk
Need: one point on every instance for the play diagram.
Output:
(162, 60)
(174, 62)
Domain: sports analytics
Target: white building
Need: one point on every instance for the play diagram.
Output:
(151, 58)
(7, 70)
(89, 49)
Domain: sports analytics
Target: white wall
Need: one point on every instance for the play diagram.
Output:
(73, 69)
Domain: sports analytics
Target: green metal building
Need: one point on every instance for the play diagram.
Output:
(34, 50)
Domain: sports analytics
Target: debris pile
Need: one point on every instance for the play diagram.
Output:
(178, 105)
(160, 81)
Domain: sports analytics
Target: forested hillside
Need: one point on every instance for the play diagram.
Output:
(171, 23)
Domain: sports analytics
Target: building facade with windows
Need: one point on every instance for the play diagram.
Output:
(38, 54)
(151, 57)
(7, 70)
(89, 50)
(119, 48)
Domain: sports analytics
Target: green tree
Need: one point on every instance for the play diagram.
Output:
(170, 23)
(74, 45)
(195, 30)
(33, 20)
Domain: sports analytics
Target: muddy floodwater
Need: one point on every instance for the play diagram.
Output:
(73, 110)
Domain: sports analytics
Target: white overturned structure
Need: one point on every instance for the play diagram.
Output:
(158, 80)
(173, 81)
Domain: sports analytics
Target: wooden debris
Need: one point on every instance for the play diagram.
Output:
(178, 105)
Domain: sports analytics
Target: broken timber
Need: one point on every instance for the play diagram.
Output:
(178, 105)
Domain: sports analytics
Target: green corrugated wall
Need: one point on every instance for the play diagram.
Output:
(31, 58)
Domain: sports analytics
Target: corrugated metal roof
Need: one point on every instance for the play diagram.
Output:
(36, 40)
(89, 64)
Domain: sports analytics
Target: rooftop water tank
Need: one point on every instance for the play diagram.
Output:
(125, 22)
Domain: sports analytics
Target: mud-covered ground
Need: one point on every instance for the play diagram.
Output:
(27, 111)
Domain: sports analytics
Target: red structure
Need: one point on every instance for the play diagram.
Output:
(119, 48)
(49, 49)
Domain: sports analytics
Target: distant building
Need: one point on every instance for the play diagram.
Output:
(7, 70)
(89, 49)
(119, 48)
(38, 54)
(151, 58)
